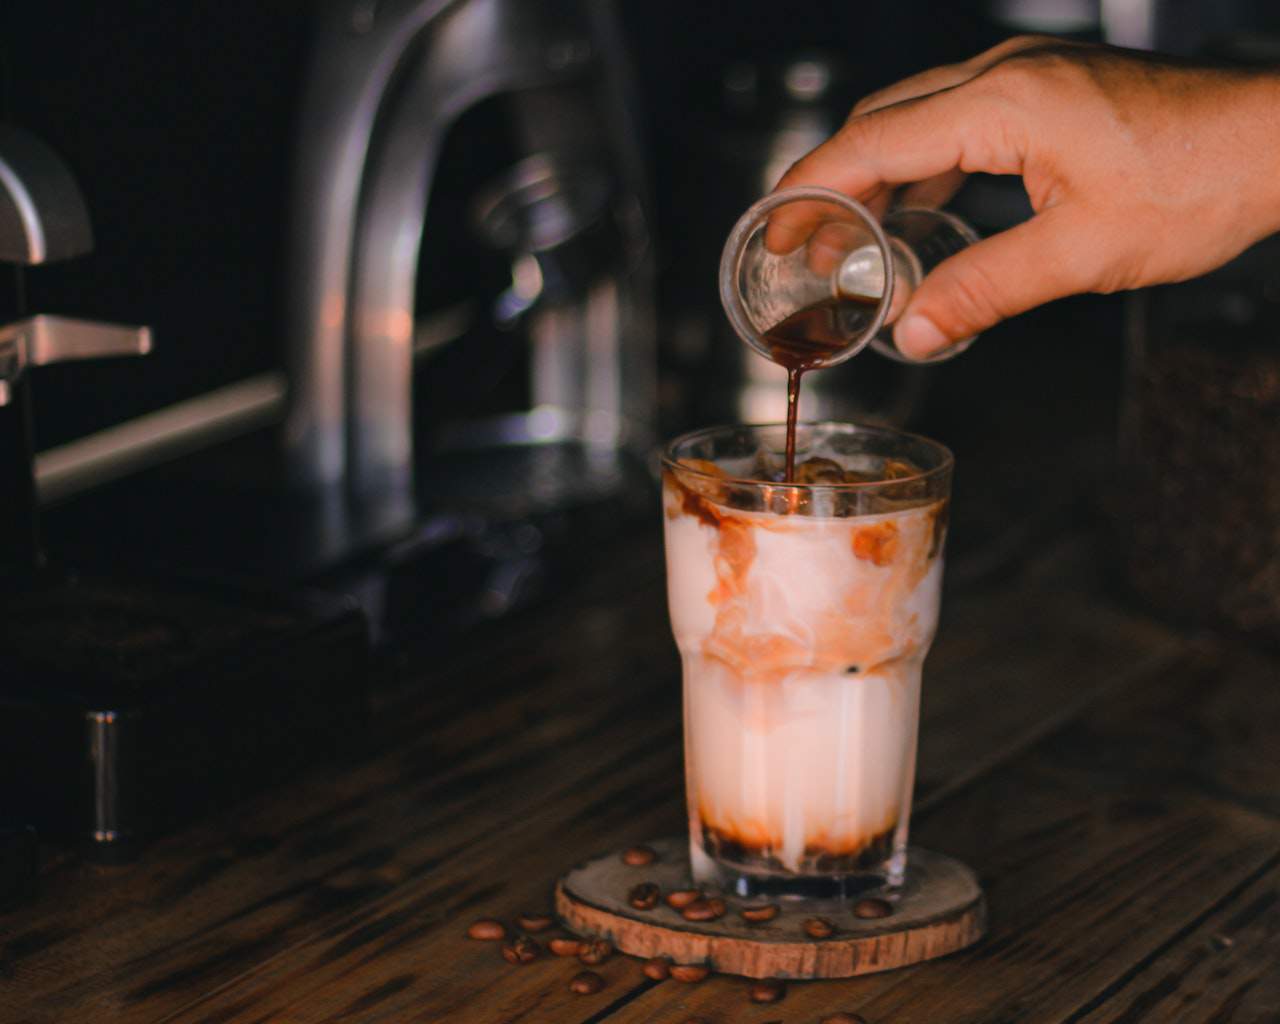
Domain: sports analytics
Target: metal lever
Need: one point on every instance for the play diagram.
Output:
(44, 339)
(42, 219)
(34, 342)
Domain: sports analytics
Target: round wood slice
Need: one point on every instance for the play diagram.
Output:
(939, 910)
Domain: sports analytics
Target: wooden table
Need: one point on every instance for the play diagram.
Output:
(1115, 784)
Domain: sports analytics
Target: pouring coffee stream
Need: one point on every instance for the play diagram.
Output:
(806, 340)
(824, 300)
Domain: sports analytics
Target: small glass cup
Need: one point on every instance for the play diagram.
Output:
(837, 254)
(803, 614)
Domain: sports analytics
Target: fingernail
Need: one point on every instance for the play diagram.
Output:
(918, 337)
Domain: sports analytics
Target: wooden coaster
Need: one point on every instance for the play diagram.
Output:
(939, 910)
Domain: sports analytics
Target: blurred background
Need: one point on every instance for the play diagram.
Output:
(427, 283)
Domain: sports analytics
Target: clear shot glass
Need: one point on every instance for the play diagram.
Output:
(839, 261)
(803, 614)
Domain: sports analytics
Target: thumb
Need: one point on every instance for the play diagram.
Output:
(1042, 259)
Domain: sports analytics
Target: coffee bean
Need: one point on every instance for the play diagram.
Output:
(487, 930)
(644, 896)
(535, 922)
(697, 1020)
(843, 1018)
(690, 972)
(681, 898)
(657, 967)
(705, 910)
(639, 856)
(565, 947)
(767, 991)
(869, 909)
(762, 912)
(819, 928)
(586, 983)
(596, 952)
(522, 951)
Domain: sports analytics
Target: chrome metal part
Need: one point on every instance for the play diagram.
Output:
(388, 80)
(44, 339)
(159, 436)
(42, 213)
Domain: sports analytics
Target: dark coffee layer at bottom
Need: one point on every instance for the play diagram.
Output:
(816, 859)
(752, 871)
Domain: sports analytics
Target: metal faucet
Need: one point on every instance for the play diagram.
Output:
(388, 79)
(42, 219)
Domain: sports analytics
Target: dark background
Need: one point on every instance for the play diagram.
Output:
(178, 121)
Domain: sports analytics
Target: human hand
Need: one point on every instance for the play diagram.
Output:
(1141, 170)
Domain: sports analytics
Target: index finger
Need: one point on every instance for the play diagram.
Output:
(961, 128)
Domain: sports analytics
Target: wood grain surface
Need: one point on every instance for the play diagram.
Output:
(1113, 783)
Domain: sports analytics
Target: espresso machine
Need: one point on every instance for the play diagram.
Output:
(466, 325)
(470, 319)
(468, 406)
(130, 702)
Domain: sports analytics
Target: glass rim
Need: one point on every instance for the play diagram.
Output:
(735, 247)
(945, 465)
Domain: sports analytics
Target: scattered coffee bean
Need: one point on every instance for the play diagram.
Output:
(843, 1018)
(644, 896)
(767, 991)
(698, 1020)
(522, 951)
(535, 922)
(596, 952)
(690, 972)
(705, 910)
(762, 912)
(657, 967)
(869, 909)
(487, 930)
(819, 928)
(586, 983)
(639, 856)
(565, 947)
(681, 898)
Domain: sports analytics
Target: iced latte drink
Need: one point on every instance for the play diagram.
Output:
(803, 613)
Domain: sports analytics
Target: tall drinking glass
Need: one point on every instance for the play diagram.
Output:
(803, 613)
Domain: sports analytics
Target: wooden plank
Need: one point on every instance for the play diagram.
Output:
(1100, 855)
(307, 984)
(1225, 968)
(209, 903)
(1006, 672)
(1212, 724)
(572, 747)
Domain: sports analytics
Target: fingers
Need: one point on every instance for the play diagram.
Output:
(962, 128)
(935, 192)
(1045, 258)
(831, 243)
(948, 76)
(933, 80)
